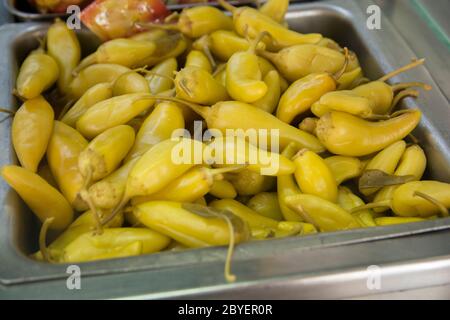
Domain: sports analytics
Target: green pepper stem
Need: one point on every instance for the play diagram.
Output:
(407, 67)
(442, 209)
(86, 197)
(66, 108)
(200, 110)
(401, 95)
(7, 111)
(406, 85)
(385, 203)
(43, 238)
(150, 25)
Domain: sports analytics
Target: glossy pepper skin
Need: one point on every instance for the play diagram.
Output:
(105, 153)
(125, 52)
(93, 95)
(196, 58)
(345, 101)
(287, 186)
(63, 151)
(196, 85)
(158, 126)
(112, 112)
(186, 227)
(95, 74)
(389, 221)
(344, 168)
(38, 72)
(89, 247)
(31, 130)
(165, 68)
(250, 21)
(270, 100)
(413, 163)
(44, 200)
(130, 82)
(239, 115)
(63, 46)
(301, 94)
(313, 175)
(223, 189)
(348, 201)
(244, 77)
(406, 204)
(345, 134)
(298, 61)
(275, 9)
(325, 215)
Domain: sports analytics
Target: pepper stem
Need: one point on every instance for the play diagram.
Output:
(86, 62)
(43, 239)
(379, 204)
(3, 110)
(339, 74)
(84, 194)
(401, 95)
(406, 85)
(407, 67)
(66, 108)
(149, 25)
(442, 209)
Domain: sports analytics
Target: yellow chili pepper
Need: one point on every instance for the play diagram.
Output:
(249, 183)
(313, 175)
(88, 247)
(270, 100)
(105, 153)
(95, 74)
(125, 52)
(237, 151)
(345, 134)
(266, 204)
(31, 130)
(388, 221)
(158, 126)
(386, 161)
(223, 44)
(44, 200)
(150, 35)
(275, 9)
(38, 72)
(238, 115)
(63, 46)
(299, 61)
(160, 84)
(130, 82)
(187, 227)
(112, 112)
(84, 223)
(254, 219)
(348, 201)
(198, 21)
(423, 199)
(198, 59)
(348, 78)
(250, 21)
(223, 189)
(345, 101)
(243, 75)
(93, 95)
(199, 86)
(325, 215)
(287, 186)
(189, 187)
(167, 47)
(45, 173)
(412, 163)
(63, 151)
(107, 193)
(344, 168)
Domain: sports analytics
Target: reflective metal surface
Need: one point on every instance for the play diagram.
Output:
(320, 266)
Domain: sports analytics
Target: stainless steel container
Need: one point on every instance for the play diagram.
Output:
(269, 267)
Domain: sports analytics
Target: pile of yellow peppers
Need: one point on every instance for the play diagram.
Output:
(93, 138)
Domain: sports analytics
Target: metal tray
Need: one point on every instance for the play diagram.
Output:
(199, 272)
(23, 12)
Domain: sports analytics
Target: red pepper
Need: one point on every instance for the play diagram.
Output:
(110, 19)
